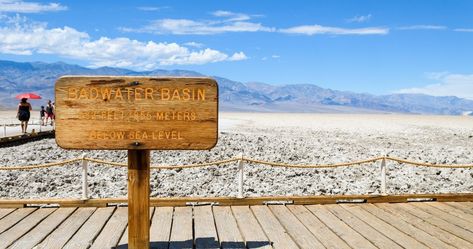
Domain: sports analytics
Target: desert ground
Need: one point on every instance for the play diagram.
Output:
(278, 137)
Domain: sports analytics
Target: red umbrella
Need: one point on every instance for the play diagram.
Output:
(28, 96)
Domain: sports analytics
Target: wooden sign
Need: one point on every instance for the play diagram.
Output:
(136, 113)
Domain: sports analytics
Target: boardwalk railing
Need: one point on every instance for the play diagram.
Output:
(240, 162)
(32, 121)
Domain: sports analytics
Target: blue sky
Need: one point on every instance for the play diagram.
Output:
(363, 46)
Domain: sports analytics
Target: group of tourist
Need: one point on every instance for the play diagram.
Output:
(24, 113)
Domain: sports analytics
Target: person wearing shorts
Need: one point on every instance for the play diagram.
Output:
(49, 112)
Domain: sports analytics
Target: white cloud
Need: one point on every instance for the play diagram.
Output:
(18, 6)
(151, 8)
(463, 30)
(275, 56)
(191, 27)
(360, 19)
(19, 36)
(194, 44)
(423, 27)
(460, 85)
(239, 22)
(318, 29)
(238, 57)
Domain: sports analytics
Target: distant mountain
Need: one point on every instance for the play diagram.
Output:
(16, 77)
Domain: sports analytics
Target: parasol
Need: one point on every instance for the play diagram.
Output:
(28, 96)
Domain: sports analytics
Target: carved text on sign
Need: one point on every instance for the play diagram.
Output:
(105, 112)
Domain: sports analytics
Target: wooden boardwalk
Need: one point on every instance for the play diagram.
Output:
(381, 225)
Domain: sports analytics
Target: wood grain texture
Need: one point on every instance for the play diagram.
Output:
(250, 229)
(256, 200)
(205, 233)
(112, 231)
(303, 237)
(120, 112)
(181, 231)
(228, 232)
(340, 228)
(424, 225)
(160, 230)
(13, 234)
(273, 229)
(43, 229)
(13, 218)
(138, 199)
(406, 227)
(87, 233)
(59, 237)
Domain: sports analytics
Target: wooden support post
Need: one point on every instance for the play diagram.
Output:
(138, 199)
(240, 177)
(85, 184)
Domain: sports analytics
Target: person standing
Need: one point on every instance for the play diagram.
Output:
(42, 115)
(23, 114)
(49, 112)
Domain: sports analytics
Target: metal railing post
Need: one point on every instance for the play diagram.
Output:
(240, 176)
(383, 176)
(85, 195)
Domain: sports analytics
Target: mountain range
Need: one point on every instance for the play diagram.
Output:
(39, 77)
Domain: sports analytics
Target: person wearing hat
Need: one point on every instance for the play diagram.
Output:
(23, 114)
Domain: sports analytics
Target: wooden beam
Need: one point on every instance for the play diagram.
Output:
(234, 201)
(138, 198)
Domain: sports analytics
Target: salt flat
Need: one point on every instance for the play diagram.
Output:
(279, 137)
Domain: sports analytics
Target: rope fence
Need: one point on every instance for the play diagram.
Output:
(240, 160)
(246, 159)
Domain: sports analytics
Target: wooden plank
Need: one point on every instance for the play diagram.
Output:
(324, 234)
(386, 229)
(362, 227)
(138, 198)
(43, 229)
(273, 229)
(86, 235)
(181, 231)
(451, 210)
(134, 112)
(425, 226)
(25, 225)
(466, 207)
(113, 230)
(407, 228)
(445, 225)
(59, 237)
(250, 229)
(14, 217)
(5, 211)
(160, 230)
(205, 233)
(301, 235)
(228, 232)
(233, 201)
(123, 243)
(466, 224)
(345, 232)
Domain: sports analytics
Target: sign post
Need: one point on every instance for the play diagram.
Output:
(138, 198)
(137, 114)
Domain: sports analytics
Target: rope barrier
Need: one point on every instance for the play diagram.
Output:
(431, 165)
(250, 160)
(286, 165)
(39, 166)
